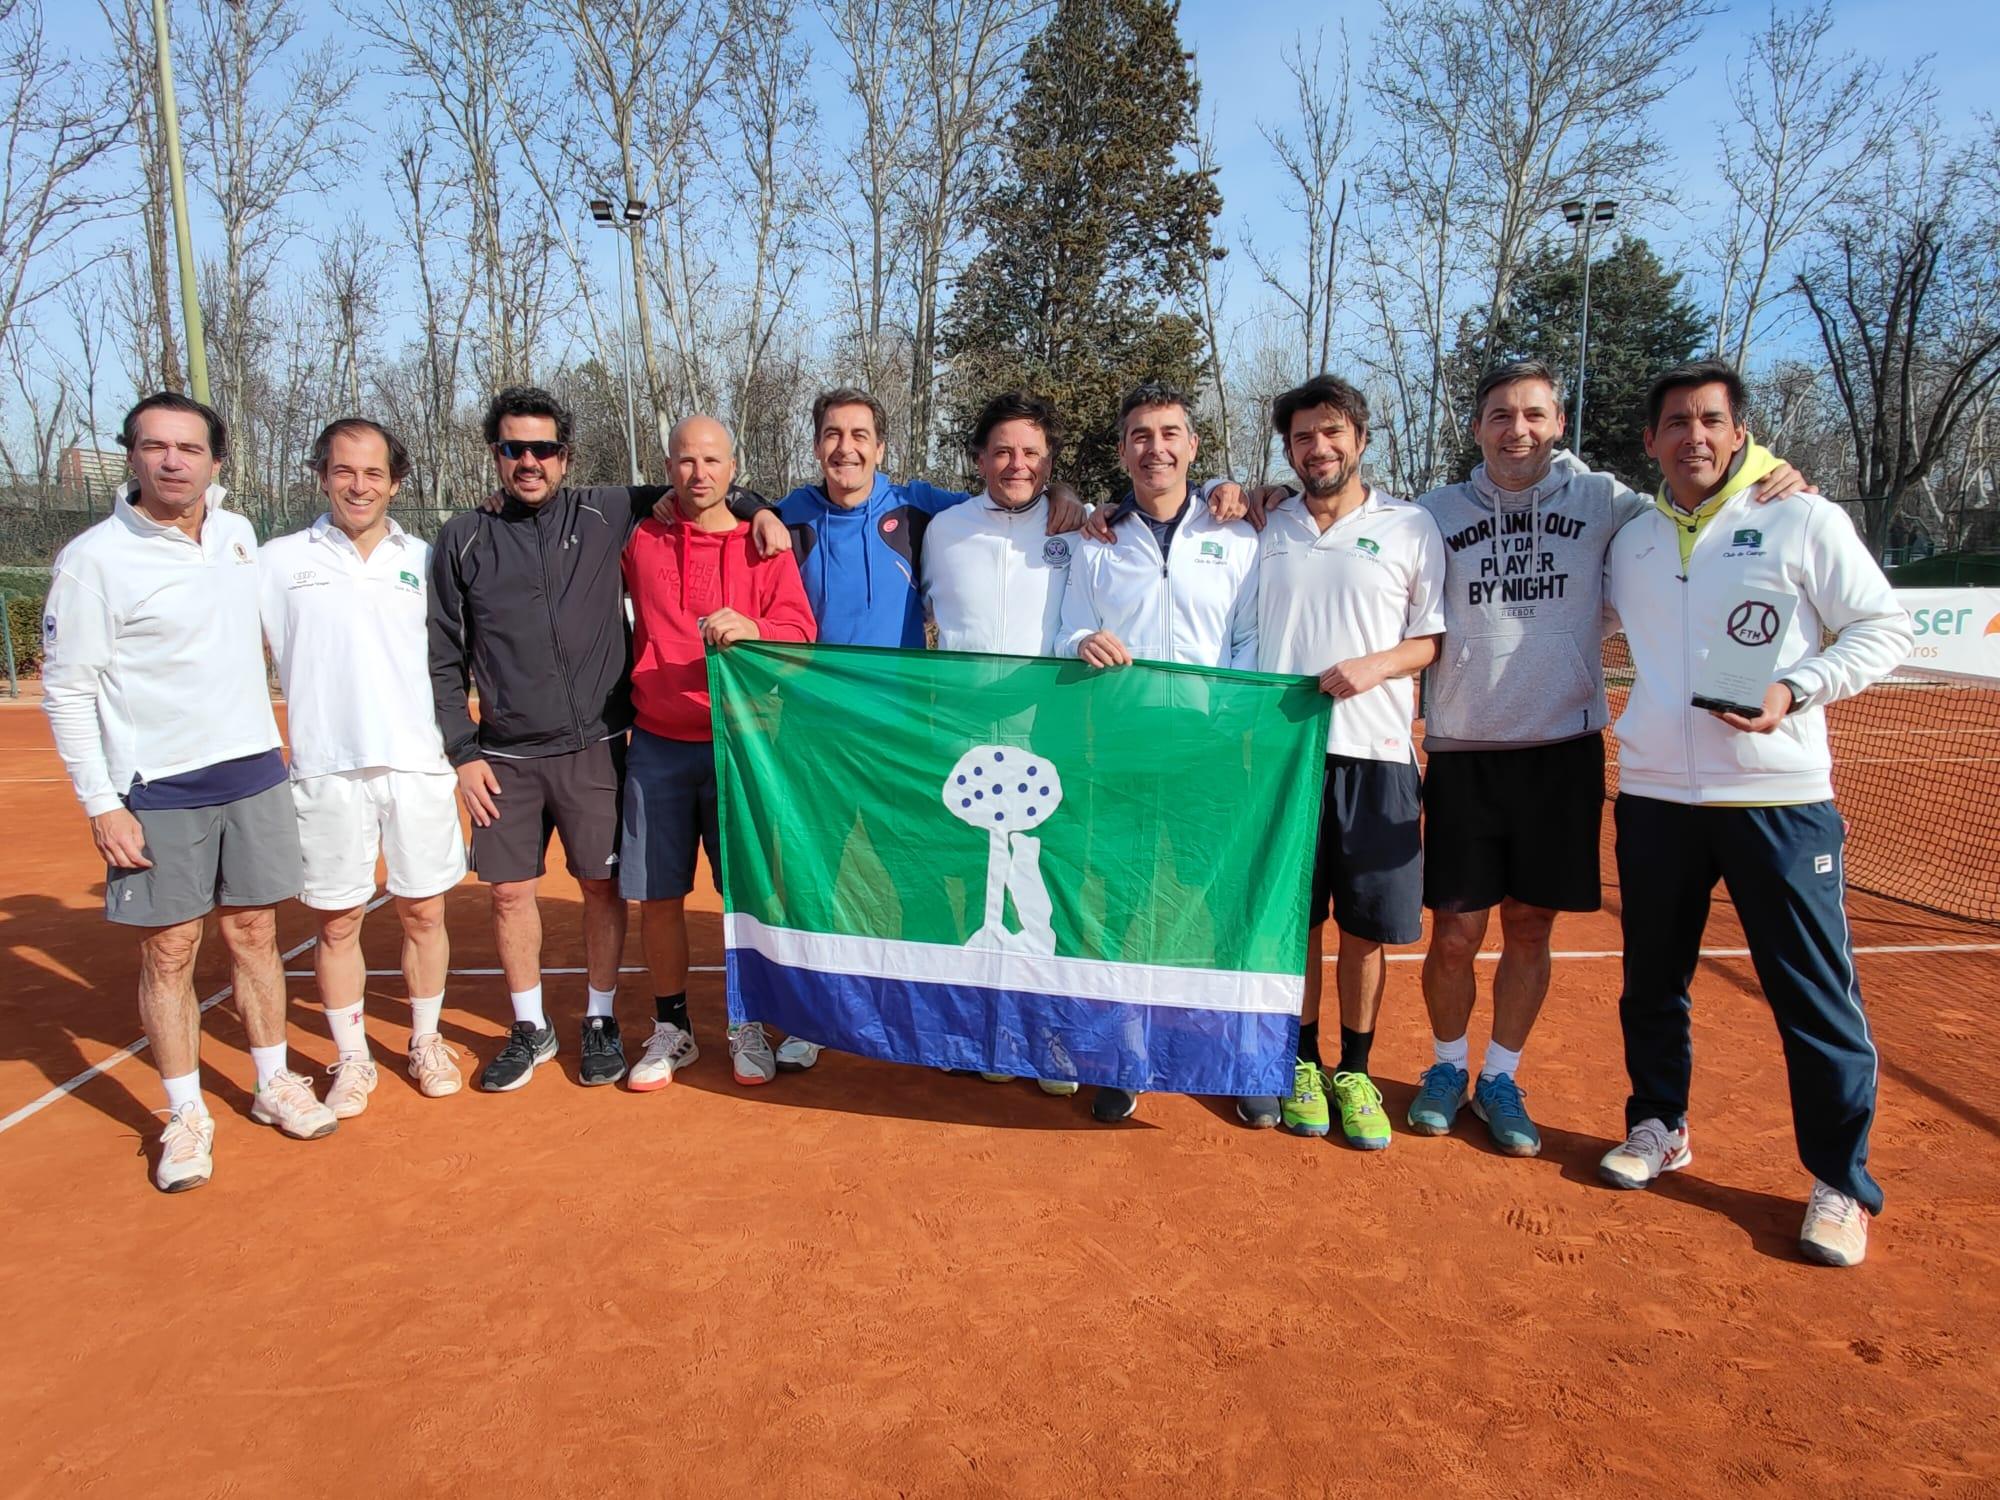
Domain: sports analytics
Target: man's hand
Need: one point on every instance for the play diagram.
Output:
(1097, 526)
(769, 535)
(477, 788)
(1066, 511)
(493, 502)
(726, 627)
(1777, 703)
(120, 839)
(1781, 483)
(1346, 679)
(1103, 649)
(665, 511)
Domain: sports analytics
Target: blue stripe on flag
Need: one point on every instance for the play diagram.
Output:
(1152, 1048)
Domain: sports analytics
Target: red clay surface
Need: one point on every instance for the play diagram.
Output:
(872, 1280)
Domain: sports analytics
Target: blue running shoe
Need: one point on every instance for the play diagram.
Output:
(1497, 1101)
(1440, 1094)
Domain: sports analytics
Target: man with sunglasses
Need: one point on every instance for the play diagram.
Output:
(527, 601)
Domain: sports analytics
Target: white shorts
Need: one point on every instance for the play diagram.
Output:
(347, 818)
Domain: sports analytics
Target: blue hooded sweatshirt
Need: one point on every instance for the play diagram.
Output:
(862, 567)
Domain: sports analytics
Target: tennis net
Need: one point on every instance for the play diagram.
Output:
(1916, 774)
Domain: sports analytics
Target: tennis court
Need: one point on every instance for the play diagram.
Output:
(870, 1280)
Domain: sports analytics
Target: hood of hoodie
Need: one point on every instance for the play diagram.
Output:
(1523, 606)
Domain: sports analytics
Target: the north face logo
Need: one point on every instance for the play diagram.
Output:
(1747, 538)
(1373, 549)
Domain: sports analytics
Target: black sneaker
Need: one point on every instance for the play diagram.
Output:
(1112, 1105)
(527, 1044)
(1259, 1111)
(603, 1051)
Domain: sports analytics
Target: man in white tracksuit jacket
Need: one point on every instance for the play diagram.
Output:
(1181, 587)
(1747, 799)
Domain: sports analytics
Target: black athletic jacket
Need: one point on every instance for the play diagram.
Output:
(528, 602)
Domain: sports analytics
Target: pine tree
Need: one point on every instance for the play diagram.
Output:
(1641, 322)
(1095, 236)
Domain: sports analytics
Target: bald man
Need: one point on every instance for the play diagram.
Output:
(695, 580)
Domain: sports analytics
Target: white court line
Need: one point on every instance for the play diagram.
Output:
(127, 1053)
(1488, 954)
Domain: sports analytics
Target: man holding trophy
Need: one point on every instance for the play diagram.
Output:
(1725, 773)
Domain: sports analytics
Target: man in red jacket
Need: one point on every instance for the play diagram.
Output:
(694, 581)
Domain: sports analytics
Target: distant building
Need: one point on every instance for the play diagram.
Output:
(90, 470)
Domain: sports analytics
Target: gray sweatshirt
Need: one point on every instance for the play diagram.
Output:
(1521, 662)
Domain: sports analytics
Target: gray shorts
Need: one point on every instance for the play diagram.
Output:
(242, 853)
(575, 795)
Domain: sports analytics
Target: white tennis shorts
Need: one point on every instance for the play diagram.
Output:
(348, 818)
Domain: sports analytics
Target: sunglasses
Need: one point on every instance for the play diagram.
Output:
(542, 448)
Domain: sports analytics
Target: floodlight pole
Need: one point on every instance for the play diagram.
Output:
(601, 215)
(1584, 212)
(170, 128)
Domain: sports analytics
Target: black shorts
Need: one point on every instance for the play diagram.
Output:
(1370, 860)
(1523, 823)
(669, 813)
(576, 795)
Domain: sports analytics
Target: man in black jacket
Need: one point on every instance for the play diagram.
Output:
(528, 602)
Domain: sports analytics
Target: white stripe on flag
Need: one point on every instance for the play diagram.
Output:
(1083, 978)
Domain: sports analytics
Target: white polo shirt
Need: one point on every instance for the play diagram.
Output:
(151, 665)
(349, 637)
(994, 579)
(1369, 582)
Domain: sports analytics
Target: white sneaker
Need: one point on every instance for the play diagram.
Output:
(287, 1102)
(750, 1054)
(670, 1050)
(353, 1081)
(796, 1054)
(187, 1150)
(434, 1065)
(1835, 1232)
(1650, 1149)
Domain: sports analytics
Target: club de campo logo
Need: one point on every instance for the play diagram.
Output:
(1747, 538)
(1753, 624)
(1212, 549)
(410, 580)
(1371, 547)
(1006, 791)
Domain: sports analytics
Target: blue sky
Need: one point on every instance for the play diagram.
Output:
(1237, 43)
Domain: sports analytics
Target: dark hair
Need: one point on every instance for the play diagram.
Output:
(1511, 372)
(1321, 390)
(1016, 406)
(1697, 372)
(399, 456)
(527, 401)
(847, 395)
(218, 430)
(1148, 393)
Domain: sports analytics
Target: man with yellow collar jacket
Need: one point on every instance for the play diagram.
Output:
(1747, 799)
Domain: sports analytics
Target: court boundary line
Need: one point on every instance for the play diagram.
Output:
(1488, 955)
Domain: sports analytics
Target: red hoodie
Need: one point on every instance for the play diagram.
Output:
(677, 575)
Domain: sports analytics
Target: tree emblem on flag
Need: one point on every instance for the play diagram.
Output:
(1006, 791)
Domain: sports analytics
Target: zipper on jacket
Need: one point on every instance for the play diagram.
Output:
(555, 631)
(1687, 671)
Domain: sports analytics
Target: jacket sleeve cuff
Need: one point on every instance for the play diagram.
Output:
(743, 504)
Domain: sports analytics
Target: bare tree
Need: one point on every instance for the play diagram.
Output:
(1807, 127)
(1215, 282)
(258, 143)
(1317, 194)
(58, 121)
(352, 280)
(149, 301)
(1909, 313)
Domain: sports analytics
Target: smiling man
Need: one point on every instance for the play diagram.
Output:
(1746, 799)
(344, 605)
(153, 681)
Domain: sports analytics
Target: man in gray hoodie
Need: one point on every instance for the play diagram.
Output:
(1514, 733)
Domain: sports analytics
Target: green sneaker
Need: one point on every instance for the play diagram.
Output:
(1361, 1117)
(1304, 1111)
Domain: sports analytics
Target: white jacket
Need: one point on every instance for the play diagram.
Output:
(152, 660)
(352, 648)
(1673, 751)
(1197, 607)
(993, 579)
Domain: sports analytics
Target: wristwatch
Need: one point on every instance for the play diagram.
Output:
(1798, 694)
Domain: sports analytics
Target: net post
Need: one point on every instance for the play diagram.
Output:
(7, 640)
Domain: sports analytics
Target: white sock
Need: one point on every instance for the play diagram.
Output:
(184, 1090)
(350, 1039)
(600, 1002)
(1457, 1053)
(424, 1015)
(270, 1062)
(528, 1006)
(1499, 1060)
